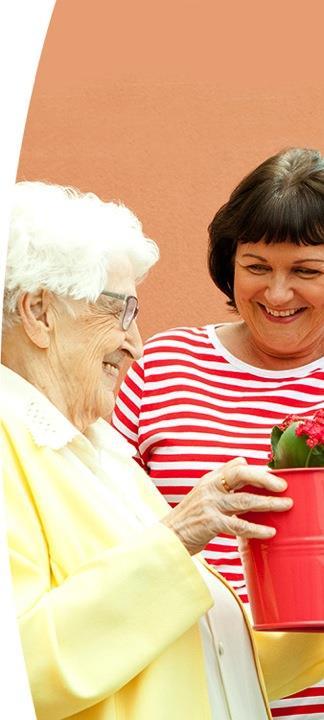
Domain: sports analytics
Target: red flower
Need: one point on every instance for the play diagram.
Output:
(288, 420)
(313, 429)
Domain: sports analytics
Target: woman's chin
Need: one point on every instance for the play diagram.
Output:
(107, 404)
(109, 379)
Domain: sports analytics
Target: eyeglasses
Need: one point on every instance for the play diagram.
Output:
(131, 307)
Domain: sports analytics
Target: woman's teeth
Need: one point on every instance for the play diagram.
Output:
(111, 369)
(281, 313)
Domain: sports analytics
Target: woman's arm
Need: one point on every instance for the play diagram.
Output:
(89, 636)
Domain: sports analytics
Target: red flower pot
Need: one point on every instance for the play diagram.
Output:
(285, 574)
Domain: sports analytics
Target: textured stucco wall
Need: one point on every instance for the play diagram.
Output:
(165, 105)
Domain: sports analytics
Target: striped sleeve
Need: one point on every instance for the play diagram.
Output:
(125, 417)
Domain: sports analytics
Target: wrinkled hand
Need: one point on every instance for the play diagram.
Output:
(210, 509)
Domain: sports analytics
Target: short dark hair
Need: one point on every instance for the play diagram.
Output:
(281, 200)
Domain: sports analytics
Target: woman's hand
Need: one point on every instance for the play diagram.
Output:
(212, 507)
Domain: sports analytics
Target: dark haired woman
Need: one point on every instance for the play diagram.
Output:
(202, 396)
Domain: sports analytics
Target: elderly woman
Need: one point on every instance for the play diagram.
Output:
(117, 619)
(201, 396)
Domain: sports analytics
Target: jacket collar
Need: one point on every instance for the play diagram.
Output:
(47, 425)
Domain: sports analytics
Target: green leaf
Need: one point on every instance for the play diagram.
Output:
(316, 458)
(275, 437)
(291, 450)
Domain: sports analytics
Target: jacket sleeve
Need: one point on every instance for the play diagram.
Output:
(88, 637)
(290, 661)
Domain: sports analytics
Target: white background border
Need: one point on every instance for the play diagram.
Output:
(23, 26)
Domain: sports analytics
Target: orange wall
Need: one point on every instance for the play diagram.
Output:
(165, 105)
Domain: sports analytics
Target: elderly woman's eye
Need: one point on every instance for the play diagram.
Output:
(115, 307)
(112, 307)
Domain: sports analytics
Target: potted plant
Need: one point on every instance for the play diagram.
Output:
(298, 442)
(285, 574)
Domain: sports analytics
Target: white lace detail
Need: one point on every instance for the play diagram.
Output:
(47, 425)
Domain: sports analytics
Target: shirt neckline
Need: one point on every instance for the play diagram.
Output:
(300, 371)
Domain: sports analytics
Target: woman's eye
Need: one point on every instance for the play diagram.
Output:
(113, 307)
(306, 272)
(116, 307)
(257, 269)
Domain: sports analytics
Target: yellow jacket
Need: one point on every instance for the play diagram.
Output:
(108, 610)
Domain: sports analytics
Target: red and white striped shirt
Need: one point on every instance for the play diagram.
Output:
(188, 406)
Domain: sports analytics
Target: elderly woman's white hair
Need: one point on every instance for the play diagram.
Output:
(66, 241)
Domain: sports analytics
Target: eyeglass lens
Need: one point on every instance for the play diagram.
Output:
(131, 310)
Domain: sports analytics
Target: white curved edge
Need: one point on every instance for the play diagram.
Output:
(23, 27)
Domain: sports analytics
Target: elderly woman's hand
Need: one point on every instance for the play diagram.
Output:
(210, 509)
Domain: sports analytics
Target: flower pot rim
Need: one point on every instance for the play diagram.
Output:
(282, 471)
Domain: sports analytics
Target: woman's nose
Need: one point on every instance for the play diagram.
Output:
(279, 291)
(133, 341)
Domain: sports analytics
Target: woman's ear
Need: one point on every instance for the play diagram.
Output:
(33, 310)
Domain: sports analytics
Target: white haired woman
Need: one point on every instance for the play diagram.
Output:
(117, 619)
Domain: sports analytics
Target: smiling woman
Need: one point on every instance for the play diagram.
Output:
(266, 253)
(202, 396)
(70, 293)
(279, 294)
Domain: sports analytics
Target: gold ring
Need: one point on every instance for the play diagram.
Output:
(226, 486)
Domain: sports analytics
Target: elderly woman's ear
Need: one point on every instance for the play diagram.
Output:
(34, 313)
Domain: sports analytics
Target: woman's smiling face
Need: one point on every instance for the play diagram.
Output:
(279, 293)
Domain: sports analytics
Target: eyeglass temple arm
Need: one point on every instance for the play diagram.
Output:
(112, 294)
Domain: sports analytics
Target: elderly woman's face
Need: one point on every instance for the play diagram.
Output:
(279, 293)
(90, 348)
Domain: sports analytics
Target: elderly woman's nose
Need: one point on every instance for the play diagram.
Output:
(279, 291)
(133, 341)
